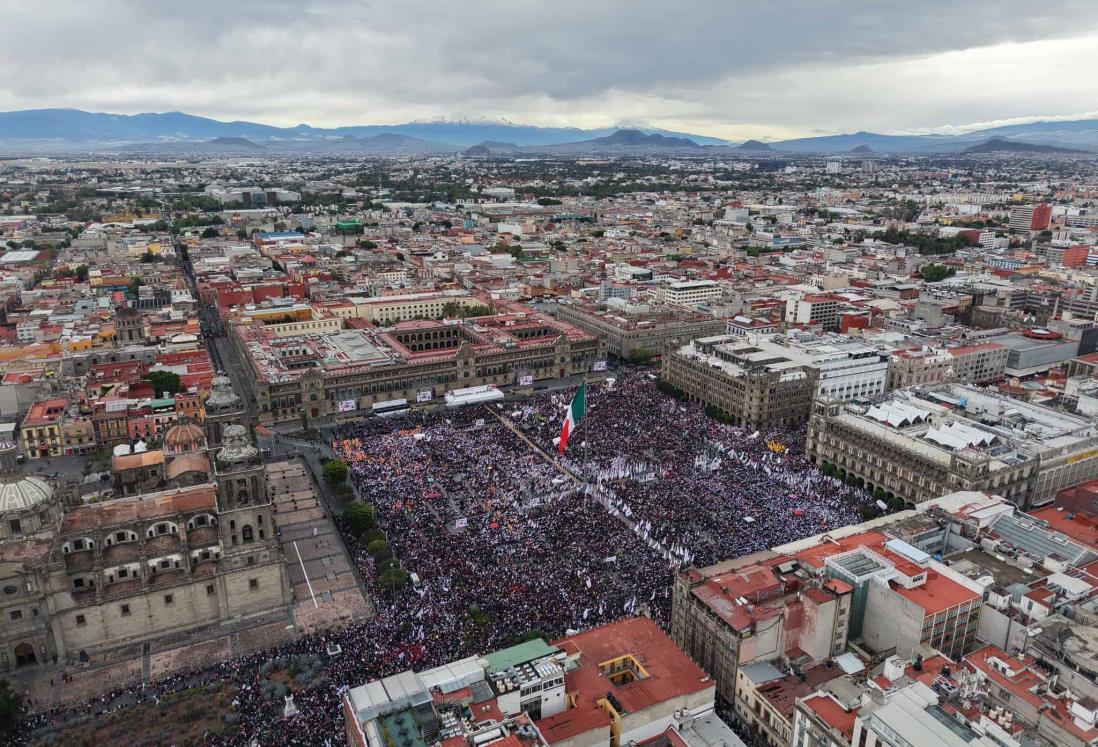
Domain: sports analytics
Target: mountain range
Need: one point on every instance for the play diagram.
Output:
(58, 130)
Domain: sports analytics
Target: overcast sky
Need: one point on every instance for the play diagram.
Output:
(768, 69)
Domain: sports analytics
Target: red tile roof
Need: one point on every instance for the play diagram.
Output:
(833, 714)
(671, 674)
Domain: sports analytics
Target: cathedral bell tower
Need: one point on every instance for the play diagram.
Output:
(245, 511)
(223, 408)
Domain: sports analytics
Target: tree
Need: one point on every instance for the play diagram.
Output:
(209, 233)
(360, 519)
(335, 471)
(372, 534)
(394, 578)
(82, 273)
(11, 705)
(165, 381)
(378, 548)
(135, 283)
(932, 273)
(868, 512)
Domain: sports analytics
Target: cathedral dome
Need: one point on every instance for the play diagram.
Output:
(184, 437)
(24, 493)
(19, 492)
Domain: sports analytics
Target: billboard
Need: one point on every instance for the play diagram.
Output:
(599, 366)
(425, 396)
(526, 380)
(347, 405)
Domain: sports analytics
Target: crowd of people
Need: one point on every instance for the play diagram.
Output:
(703, 490)
(506, 541)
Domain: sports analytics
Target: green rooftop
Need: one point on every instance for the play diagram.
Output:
(403, 729)
(520, 654)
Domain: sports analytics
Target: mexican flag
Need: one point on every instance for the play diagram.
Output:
(572, 417)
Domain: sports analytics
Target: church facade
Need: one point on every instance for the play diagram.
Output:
(184, 555)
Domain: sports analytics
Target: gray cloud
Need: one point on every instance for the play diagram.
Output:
(716, 63)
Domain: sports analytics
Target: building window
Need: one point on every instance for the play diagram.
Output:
(80, 620)
(16, 526)
(209, 590)
(125, 610)
(17, 614)
(169, 600)
(253, 583)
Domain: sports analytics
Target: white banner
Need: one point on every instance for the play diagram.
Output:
(599, 366)
(526, 380)
(425, 396)
(348, 405)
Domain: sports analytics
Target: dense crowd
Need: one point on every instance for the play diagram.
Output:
(702, 489)
(505, 542)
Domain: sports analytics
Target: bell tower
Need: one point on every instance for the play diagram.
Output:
(245, 511)
(223, 408)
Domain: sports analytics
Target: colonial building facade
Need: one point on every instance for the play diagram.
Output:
(140, 567)
(720, 372)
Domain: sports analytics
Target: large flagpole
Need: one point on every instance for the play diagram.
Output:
(583, 441)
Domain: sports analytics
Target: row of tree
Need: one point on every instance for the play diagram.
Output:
(362, 522)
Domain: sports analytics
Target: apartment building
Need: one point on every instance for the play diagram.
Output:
(759, 608)
(980, 363)
(689, 292)
(813, 310)
(620, 684)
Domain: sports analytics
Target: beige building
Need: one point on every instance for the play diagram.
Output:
(639, 329)
(923, 443)
(981, 363)
(754, 388)
(409, 306)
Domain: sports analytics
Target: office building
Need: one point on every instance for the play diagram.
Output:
(640, 329)
(754, 388)
(922, 443)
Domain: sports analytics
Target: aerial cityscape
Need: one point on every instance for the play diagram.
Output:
(549, 376)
